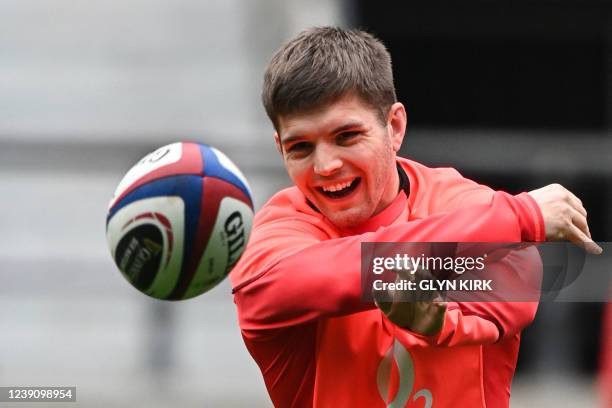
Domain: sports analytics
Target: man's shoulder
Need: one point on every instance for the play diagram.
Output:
(421, 171)
(440, 189)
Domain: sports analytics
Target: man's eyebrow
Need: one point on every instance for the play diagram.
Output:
(290, 139)
(347, 126)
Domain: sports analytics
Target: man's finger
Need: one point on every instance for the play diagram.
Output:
(577, 204)
(432, 318)
(580, 239)
(580, 221)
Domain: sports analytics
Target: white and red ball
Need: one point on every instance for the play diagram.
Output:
(179, 220)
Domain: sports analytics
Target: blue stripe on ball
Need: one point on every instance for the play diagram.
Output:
(187, 187)
(212, 168)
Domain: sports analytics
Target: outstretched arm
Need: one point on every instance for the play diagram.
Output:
(564, 218)
(323, 279)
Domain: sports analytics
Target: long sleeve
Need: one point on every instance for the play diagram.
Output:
(309, 279)
(446, 191)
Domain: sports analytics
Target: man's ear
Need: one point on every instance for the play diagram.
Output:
(279, 147)
(396, 123)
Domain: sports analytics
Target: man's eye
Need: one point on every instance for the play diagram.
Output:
(298, 147)
(347, 136)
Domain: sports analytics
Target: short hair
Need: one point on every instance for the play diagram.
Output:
(320, 65)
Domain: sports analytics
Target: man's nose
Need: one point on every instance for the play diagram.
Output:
(327, 161)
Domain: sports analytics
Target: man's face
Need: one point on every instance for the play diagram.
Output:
(342, 158)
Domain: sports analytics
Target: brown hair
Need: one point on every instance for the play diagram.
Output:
(322, 64)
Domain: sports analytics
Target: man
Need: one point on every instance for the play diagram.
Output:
(329, 93)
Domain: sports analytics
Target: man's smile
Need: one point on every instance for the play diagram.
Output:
(339, 190)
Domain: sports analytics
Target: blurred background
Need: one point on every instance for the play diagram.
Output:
(515, 97)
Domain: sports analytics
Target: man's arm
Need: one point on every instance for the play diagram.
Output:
(563, 218)
(469, 321)
(324, 279)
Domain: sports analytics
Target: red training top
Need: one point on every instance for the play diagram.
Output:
(298, 292)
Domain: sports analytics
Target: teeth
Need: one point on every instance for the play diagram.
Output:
(337, 187)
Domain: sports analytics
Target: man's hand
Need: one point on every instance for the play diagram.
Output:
(418, 310)
(424, 318)
(565, 219)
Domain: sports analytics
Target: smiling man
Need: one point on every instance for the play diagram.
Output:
(329, 93)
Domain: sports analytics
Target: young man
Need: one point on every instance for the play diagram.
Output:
(329, 93)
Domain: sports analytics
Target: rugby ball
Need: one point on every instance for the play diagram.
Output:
(179, 220)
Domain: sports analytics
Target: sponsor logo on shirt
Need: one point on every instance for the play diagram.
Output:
(398, 355)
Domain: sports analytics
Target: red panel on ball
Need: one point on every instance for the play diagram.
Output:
(214, 190)
(191, 162)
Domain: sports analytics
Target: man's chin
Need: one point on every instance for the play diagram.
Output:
(345, 219)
